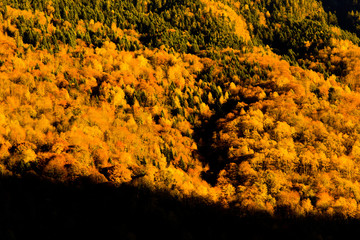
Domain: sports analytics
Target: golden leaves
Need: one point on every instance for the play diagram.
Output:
(221, 9)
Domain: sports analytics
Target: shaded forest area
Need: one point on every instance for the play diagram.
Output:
(43, 209)
(347, 13)
(243, 111)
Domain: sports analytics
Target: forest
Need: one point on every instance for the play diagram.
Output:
(243, 107)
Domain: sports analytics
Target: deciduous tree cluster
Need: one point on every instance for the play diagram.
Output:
(249, 104)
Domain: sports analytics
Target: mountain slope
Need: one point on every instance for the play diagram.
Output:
(252, 105)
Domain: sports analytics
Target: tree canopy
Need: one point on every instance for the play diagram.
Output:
(252, 105)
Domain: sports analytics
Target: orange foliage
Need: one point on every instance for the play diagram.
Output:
(286, 141)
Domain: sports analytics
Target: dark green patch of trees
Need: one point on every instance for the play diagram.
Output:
(159, 23)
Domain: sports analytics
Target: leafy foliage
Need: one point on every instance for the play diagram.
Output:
(250, 105)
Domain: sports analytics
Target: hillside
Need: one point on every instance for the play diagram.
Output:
(249, 106)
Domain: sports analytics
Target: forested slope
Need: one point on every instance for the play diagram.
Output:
(252, 105)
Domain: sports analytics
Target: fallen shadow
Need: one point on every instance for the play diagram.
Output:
(31, 207)
(203, 135)
(216, 158)
(341, 8)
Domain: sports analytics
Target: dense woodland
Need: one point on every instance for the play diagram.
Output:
(249, 105)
